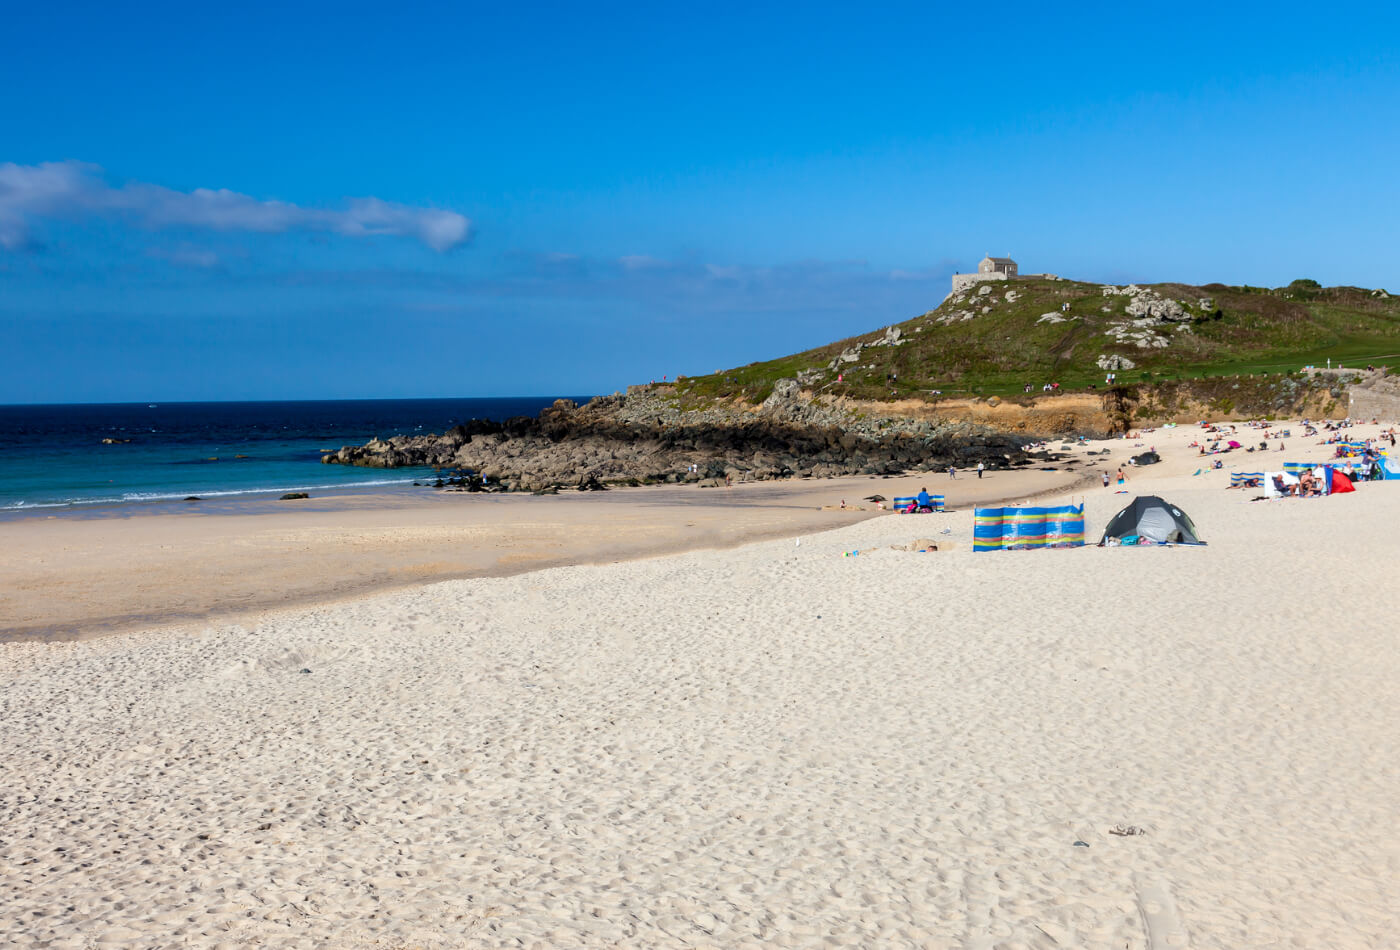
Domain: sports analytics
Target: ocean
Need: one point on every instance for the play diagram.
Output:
(54, 459)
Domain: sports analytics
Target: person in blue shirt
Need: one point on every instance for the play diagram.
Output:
(923, 500)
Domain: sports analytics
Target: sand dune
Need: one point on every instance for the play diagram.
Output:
(773, 745)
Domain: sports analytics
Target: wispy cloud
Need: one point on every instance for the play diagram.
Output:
(186, 255)
(76, 190)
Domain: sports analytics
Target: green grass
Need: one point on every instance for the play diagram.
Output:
(1244, 331)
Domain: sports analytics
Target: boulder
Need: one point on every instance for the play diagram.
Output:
(590, 482)
(1113, 362)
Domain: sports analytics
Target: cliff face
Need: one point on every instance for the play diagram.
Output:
(644, 437)
(1375, 395)
(653, 434)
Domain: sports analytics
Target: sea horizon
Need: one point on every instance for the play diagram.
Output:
(130, 457)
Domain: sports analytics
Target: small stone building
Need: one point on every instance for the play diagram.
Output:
(989, 268)
(1004, 266)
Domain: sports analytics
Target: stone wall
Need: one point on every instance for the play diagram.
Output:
(963, 281)
(1375, 397)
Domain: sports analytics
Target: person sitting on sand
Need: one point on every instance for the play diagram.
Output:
(923, 501)
(1281, 487)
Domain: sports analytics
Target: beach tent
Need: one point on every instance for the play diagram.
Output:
(1234, 445)
(1014, 529)
(1153, 519)
(1390, 467)
(1338, 483)
(1352, 471)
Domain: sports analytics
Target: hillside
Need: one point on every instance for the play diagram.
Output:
(996, 337)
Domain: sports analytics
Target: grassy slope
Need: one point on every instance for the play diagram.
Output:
(1244, 330)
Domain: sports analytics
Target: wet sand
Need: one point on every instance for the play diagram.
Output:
(82, 576)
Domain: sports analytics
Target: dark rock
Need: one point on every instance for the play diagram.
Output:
(293, 496)
(193, 498)
(642, 438)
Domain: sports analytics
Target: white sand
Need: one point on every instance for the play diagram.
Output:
(773, 745)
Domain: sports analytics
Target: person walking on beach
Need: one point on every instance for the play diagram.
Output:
(979, 469)
(1105, 479)
(1121, 477)
(952, 472)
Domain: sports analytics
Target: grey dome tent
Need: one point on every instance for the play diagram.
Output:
(1152, 518)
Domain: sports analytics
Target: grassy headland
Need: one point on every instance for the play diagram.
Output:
(996, 337)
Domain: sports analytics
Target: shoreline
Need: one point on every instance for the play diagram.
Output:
(81, 576)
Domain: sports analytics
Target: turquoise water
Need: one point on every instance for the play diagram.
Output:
(54, 458)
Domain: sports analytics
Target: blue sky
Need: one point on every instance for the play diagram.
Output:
(346, 201)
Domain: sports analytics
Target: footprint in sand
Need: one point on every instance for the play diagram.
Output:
(1165, 931)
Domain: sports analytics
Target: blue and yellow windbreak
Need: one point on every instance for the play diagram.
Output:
(1014, 529)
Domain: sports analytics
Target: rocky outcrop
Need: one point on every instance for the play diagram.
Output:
(1373, 395)
(1148, 313)
(1114, 362)
(646, 437)
(894, 336)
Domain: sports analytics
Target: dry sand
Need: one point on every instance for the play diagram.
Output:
(772, 745)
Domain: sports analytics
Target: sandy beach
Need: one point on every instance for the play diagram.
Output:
(747, 743)
(82, 576)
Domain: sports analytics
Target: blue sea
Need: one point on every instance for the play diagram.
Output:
(53, 458)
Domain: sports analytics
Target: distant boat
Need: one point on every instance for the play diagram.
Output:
(151, 406)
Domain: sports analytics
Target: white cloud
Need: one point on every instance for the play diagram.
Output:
(75, 190)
